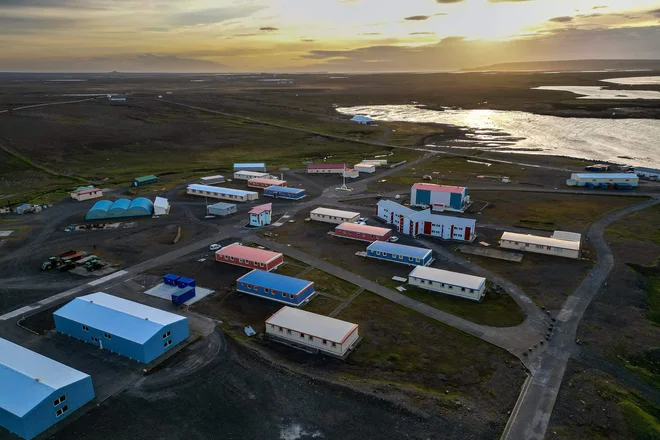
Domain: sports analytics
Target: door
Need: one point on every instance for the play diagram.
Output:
(451, 232)
(467, 234)
(400, 223)
(427, 228)
(392, 218)
(416, 229)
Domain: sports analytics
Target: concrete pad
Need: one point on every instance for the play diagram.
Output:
(492, 253)
(6, 233)
(165, 292)
(97, 273)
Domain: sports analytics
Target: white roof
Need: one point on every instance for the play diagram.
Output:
(447, 277)
(220, 190)
(335, 213)
(131, 308)
(312, 324)
(366, 165)
(564, 235)
(251, 173)
(542, 241)
(213, 177)
(161, 202)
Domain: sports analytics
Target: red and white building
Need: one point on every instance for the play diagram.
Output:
(439, 197)
(415, 223)
(363, 232)
(326, 168)
(252, 258)
(262, 182)
(86, 194)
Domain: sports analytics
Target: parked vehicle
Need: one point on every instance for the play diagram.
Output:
(393, 239)
(215, 247)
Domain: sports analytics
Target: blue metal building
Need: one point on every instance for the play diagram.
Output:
(283, 192)
(131, 329)
(104, 209)
(276, 287)
(250, 167)
(37, 392)
(400, 253)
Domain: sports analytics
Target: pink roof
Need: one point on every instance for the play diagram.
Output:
(364, 229)
(87, 191)
(248, 253)
(332, 166)
(261, 208)
(270, 182)
(440, 188)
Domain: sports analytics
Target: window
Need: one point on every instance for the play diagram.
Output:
(165, 335)
(281, 329)
(310, 337)
(261, 264)
(334, 345)
(240, 260)
(249, 286)
(95, 339)
(272, 326)
(60, 400)
(231, 258)
(62, 410)
(302, 335)
(107, 335)
(462, 289)
(266, 290)
(325, 342)
(290, 296)
(288, 332)
(167, 343)
(85, 328)
(377, 252)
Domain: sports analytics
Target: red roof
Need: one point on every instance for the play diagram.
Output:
(440, 188)
(261, 208)
(331, 166)
(364, 229)
(248, 253)
(265, 180)
(87, 191)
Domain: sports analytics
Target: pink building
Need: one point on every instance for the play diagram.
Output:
(252, 258)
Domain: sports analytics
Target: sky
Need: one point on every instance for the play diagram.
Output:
(318, 35)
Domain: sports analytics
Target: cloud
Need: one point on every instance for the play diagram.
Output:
(214, 15)
(447, 2)
(564, 19)
(508, 1)
(422, 33)
(418, 17)
(24, 25)
(370, 33)
(655, 13)
(268, 29)
(307, 40)
(599, 7)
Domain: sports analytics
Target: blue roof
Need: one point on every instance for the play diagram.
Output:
(250, 165)
(399, 249)
(101, 205)
(121, 317)
(361, 118)
(221, 205)
(24, 205)
(285, 189)
(142, 202)
(120, 205)
(28, 378)
(275, 281)
(171, 276)
(220, 190)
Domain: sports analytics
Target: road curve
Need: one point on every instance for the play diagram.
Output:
(530, 419)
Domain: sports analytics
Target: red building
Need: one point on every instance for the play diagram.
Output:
(363, 232)
(262, 182)
(249, 257)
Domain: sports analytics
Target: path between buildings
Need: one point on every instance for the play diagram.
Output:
(513, 339)
(530, 419)
(345, 303)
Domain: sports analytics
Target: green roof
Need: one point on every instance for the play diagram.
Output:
(145, 178)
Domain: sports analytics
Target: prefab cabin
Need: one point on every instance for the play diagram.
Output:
(217, 192)
(541, 245)
(86, 194)
(252, 258)
(334, 216)
(367, 233)
(400, 253)
(377, 162)
(261, 182)
(449, 283)
(210, 180)
(247, 175)
(276, 287)
(282, 192)
(365, 168)
(253, 166)
(310, 330)
(222, 209)
(161, 206)
(261, 215)
(439, 197)
(145, 180)
(36, 392)
(326, 168)
(139, 332)
(351, 173)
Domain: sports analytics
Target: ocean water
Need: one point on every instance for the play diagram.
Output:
(634, 81)
(598, 92)
(626, 141)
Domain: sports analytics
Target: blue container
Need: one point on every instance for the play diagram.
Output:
(171, 279)
(182, 282)
(589, 185)
(604, 185)
(623, 186)
(183, 296)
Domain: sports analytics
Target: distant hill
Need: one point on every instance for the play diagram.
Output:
(571, 65)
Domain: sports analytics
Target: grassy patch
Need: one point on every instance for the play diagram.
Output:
(331, 284)
(641, 226)
(322, 305)
(642, 417)
(288, 269)
(495, 310)
(652, 275)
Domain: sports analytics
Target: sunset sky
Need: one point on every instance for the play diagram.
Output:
(314, 35)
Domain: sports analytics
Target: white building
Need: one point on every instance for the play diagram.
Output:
(326, 168)
(86, 193)
(365, 168)
(334, 216)
(541, 245)
(439, 197)
(351, 173)
(247, 175)
(210, 180)
(564, 235)
(217, 192)
(161, 206)
(377, 162)
(415, 223)
(314, 331)
(648, 173)
(450, 283)
(582, 179)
